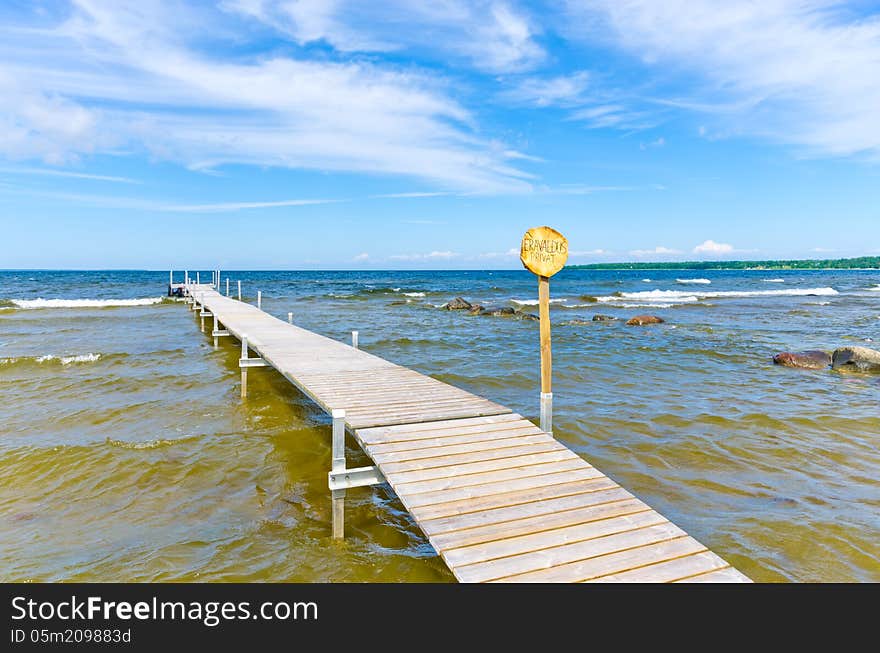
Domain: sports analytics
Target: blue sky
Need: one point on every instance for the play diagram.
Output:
(392, 134)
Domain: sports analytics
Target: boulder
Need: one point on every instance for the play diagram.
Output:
(641, 320)
(590, 299)
(476, 309)
(500, 311)
(809, 360)
(856, 359)
(529, 316)
(458, 304)
(603, 318)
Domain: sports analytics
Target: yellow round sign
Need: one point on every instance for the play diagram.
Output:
(544, 251)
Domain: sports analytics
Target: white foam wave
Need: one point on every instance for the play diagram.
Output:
(876, 288)
(646, 280)
(47, 358)
(698, 281)
(774, 280)
(679, 296)
(83, 303)
(414, 294)
(533, 302)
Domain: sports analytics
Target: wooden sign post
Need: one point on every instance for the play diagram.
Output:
(544, 251)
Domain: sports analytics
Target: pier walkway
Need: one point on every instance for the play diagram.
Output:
(498, 498)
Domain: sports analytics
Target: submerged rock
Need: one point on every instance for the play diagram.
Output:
(856, 359)
(641, 320)
(590, 299)
(812, 359)
(458, 304)
(529, 316)
(476, 309)
(499, 311)
(604, 318)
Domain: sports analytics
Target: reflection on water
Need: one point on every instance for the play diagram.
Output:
(126, 453)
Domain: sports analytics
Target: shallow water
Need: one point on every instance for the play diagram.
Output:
(126, 453)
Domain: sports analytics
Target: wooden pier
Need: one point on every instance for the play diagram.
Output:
(499, 499)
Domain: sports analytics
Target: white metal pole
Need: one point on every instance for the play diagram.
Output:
(239, 290)
(338, 465)
(198, 281)
(354, 339)
(259, 299)
(244, 355)
(216, 329)
(547, 412)
(290, 318)
(227, 286)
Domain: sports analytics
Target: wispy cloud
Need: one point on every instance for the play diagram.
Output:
(798, 72)
(657, 251)
(412, 195)
(561, 91)
(226, 207)
(586, 189)
(490, 36)
(432, 256)
(361, 258)
(124, 78)
(511, 253)
(67, 173)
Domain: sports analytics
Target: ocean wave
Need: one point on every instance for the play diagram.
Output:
(646, 280)
(84, 303)
(774, 280)
(534, 302)
(875, 288)
(414, 294)
(699, 281)
(679, 296)
(50, 358)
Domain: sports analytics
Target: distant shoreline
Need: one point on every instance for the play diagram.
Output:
(861, 263)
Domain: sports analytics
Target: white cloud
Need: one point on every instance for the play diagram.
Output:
(565, 90)
(124, 78)
(711, 247)
(491, 35)
(591, 252)
(657, 142)
(424, 257)
(66, 173)
(360, 258)
(657, 251)
(512, 252)
(802, 72)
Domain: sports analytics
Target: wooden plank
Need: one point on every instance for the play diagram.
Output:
(368, 434)
(540, 504)
(411, 433)
(489, 489)
(609, 562)
(477, 453)
(476, 506)
(555, 518)
(470, 470)
(548, 540)
(566, 553)
(668, 571)
(421, 482)
(400, 452)
(728, 575)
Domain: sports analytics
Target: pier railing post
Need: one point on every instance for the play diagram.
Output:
(227, 286)
(216, 329)
(197, 279)
(338, 465)
(244, 355)
(239, 290)
(260, 299)
(354, 339)
(290, 318)
(547, 412)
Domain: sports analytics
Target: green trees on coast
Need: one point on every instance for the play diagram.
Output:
(861, 262)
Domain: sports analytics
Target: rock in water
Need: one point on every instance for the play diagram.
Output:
(476, 309)
(604, 318)
(641, 320)
(458, 304)
(856, 359)
(504, 310)
(529, 316)
(808, 360)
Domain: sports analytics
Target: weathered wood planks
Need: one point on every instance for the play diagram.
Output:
(498, 498)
